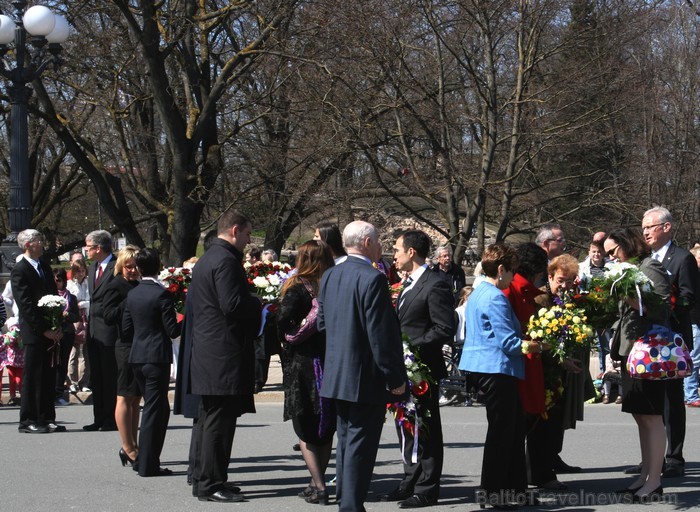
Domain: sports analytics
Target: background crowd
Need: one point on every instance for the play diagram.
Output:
(347, 324)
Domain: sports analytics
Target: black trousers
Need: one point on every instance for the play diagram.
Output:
(503, 467)
(423, 477)
(674, 419)
(543, 445)
(38, 383)
(216, 428)
(153, 381)
(103, 381)
(359, 430)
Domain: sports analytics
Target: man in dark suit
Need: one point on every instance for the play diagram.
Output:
(31, 280)
(100, 337)
(683, 273)
(364, 359)
(149, 321)
(226, 319)
(450, 271)
(426, 314)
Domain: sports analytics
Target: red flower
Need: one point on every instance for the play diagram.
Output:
(420, 389)
(173, 288)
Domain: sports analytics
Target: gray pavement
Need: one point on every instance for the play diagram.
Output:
(80, 471)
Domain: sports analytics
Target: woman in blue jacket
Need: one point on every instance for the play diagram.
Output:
(493, 356)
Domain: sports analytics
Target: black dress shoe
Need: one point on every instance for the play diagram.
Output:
(108, 427)
(674, 471)
(397, 494)
(561, 467)
(418, 501)
(233, 488)
(223, 496)
(56, 428)
(33, 428)
(633, 470)
(92, 427)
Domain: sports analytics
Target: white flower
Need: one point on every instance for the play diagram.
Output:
(52, 301)
(274, 280)
(260, 282)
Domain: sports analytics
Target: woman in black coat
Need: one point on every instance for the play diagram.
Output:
(126, 414)
(150, 320)
(312, 416)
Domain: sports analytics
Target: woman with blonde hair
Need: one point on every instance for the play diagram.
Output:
(303, 352)
(126, 413)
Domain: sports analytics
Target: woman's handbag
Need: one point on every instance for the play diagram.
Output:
(659, 355)
(308, 325)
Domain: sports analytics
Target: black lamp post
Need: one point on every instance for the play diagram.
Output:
(45, 31)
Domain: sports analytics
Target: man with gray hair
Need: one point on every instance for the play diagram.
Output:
(450, 271)
(683, 273)
(100, 337)
(31, 280)
(551, 238)
(364, 366)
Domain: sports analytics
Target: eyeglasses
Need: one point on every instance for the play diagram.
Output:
(91, 246)
(557, 240)
(611, 252)
(652, 226)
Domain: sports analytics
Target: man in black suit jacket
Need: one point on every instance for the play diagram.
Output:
(31, 280)
(683, 273)
(226, 319)
(149, 321)
(426, 314)
(364, 359)
(101, 338)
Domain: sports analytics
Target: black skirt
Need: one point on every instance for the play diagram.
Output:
(641, 396)
(126, 381)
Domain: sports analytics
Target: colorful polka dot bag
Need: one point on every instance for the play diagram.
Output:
(661, 354)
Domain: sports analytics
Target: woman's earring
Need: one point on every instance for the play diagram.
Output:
(500, 278)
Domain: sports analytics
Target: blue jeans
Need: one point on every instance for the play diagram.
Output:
(691, 381)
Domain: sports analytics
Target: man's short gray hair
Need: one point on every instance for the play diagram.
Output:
(100, 237)
(545, 233)
(443, 248)
(663, 214)
(356, 232)
(28, 236)
(269, 252)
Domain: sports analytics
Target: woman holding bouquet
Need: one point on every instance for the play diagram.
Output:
(303, 352)
(126, 414)
(644, 399)
(493, 354)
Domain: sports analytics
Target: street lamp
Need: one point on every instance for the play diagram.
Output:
(45, 31)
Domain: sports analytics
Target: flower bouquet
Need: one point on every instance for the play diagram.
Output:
(266, 279)
(410, 414)
(599, 296)
(177, 281)
(564, 328)
(395, 290)
(53, 307)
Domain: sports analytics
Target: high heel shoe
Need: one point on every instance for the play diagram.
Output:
(650, 497)
(629, 490)
(125, 458)
(320, 497)
(306, 492)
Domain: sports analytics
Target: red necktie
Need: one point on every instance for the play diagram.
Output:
(99, 274)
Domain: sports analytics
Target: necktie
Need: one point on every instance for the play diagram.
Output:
(406, 283)
(40, 271)
(99, 274)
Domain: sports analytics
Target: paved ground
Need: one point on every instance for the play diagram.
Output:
(80, 471)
